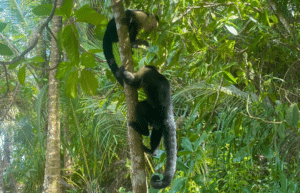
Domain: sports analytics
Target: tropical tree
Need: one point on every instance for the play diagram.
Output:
(233, 67)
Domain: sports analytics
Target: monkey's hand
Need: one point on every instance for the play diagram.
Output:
(122, 69)
(127, 76)
(121, 72)
(125, 21)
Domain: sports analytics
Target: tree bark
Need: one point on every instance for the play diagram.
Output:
(2, 166)
(66, 135)
(52, 166)
(6, 160)
(139, 183)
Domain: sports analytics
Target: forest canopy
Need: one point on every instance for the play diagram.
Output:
(233, 67)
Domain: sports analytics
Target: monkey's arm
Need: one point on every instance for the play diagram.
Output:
(130, 78)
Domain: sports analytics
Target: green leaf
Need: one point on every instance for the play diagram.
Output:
(94, 51)
(263, 96)
(237, 124)
(99, 31)
(89, 15)
(292, 115)
(280, 131)
(211, 27)
(274, 18)
(283, 181)
(88, 82)
(226, 49)
(14, 65)
(63, 67)
(266, 17)
(88, 60)
(272, 97)
(178, 184)
(199, 179)
(71, 85)
(183, 153)
(2, 26)
(5, 50)
(37, 59)
(246, 190)
(174, 57)
(21, 75)
(232, 30)
(66, 7)
(181, 166)
(42, 10)
(195, 41)
(70, 43)
(228, 76)
(266, 151)
(187, 145)
(162, 37)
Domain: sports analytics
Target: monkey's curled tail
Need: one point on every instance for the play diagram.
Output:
(171, 151)
(110, 59)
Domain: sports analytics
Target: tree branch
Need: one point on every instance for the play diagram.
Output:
(139, 183)
(35, 40)
(282, 19)
(7, 85)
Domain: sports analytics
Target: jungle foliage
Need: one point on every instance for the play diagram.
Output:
(234, 69)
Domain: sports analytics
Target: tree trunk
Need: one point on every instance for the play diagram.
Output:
(6, 161)
(67, 156)
(41, 51)
(139, 183)
(1, 171)
(52, 166)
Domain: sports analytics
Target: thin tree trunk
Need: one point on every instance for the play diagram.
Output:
(41, 51)
(52, 166)
(67, 156)
(6, 159)
(12, 184)
(282, 19)
(2, 166)
(139, 183)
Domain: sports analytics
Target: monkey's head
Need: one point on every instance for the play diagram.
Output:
(152, 23)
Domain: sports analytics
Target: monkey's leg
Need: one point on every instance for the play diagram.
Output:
(142, 111)
(155, 139)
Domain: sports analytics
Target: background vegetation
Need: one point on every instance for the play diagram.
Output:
(234, 70)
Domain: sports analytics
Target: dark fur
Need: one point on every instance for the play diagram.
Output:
(134, 19)
(156, 111)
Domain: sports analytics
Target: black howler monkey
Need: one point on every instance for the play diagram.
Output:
(157, 111)
(135, 20)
